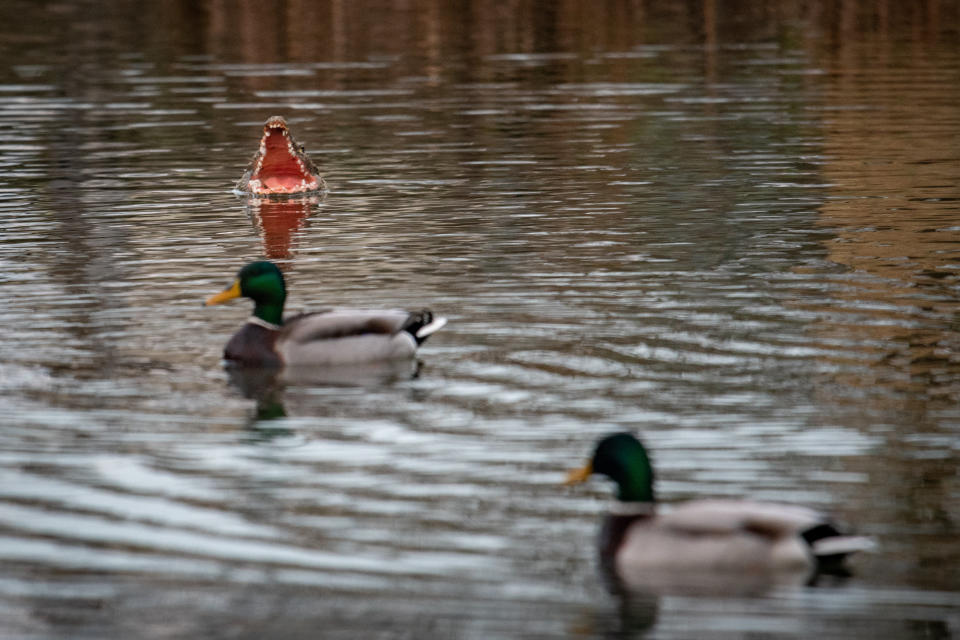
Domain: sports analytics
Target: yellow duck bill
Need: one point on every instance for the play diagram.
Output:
(578, 476)
(231, 292)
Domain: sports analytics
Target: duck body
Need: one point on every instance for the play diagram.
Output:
(335, 337)
(326, 338)
(254, 345)
(642, 541)
(714, 536)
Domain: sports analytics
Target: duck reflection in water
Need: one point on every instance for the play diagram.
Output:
(261, 385)
(268, 386)
(710, 546)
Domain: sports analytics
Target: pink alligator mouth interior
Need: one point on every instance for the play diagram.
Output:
(278, 168)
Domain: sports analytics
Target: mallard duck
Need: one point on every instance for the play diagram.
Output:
(703, 536)
(334, 337)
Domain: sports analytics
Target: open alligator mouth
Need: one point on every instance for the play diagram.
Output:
(280, 166)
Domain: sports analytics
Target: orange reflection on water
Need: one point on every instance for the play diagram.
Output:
(890, 128)
(279, 223)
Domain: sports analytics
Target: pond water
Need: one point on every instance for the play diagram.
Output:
(733, 230)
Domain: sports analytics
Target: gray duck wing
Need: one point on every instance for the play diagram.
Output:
(341, 323)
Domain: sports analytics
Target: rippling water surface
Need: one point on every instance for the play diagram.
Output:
(737, 234)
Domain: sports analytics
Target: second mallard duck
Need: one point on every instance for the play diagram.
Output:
(326, 338)
(640, 543)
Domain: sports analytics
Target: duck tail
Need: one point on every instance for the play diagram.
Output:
(421, 324)
(830, 547)
(842, 545)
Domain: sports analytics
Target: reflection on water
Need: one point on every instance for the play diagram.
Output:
(279, 223)
(732, 227)
(894, 225)
(269, 387)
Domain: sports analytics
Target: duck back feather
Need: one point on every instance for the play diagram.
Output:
(345, 336)
(732, 535)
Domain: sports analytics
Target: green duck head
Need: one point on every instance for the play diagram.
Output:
(263, 283)
(623, 459)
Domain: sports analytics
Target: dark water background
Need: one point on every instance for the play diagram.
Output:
(733, 227)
